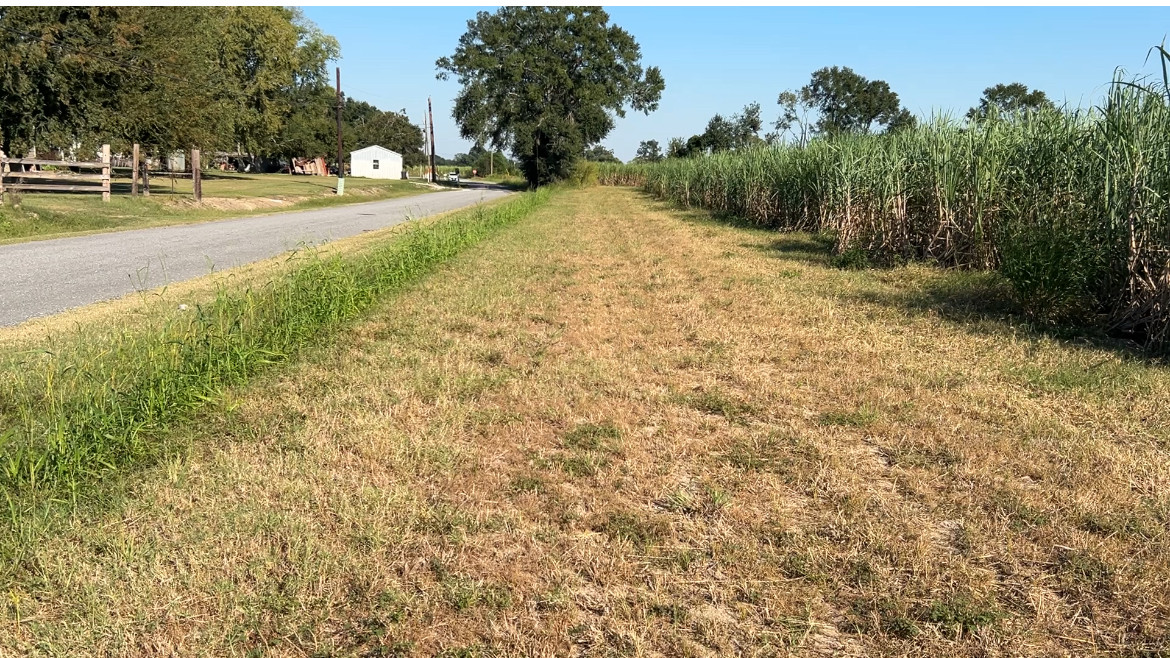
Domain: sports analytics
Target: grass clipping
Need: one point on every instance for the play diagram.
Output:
(77, 413)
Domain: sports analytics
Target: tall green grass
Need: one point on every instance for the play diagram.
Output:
(94, 403)
(1072, 207)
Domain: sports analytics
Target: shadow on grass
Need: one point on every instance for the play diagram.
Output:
(816, 248)
(981, 302)
(984, 303)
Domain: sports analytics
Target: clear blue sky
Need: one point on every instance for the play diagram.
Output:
(719, 59)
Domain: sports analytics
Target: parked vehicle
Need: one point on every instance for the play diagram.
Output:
(453, 176)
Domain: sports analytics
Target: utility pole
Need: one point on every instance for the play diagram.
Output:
(426, 143)
(431, 121)
(340, 162)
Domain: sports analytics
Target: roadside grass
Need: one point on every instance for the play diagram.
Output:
(82, 406)
(786, 459)
(225, 195)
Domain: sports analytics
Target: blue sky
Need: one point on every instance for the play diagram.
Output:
(719, 59)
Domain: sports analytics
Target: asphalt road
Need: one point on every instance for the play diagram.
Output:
(50, 276)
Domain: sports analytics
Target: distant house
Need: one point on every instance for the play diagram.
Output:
(375, 162)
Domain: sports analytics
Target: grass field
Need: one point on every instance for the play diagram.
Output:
(620, 429)
(41, 215)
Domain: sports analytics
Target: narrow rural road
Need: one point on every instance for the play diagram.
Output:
(50, 276)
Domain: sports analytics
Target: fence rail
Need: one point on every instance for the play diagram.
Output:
(14, 181)
(55, 181)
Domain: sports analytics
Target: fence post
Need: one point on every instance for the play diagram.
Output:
(145, 178)
(3, 170)
(106, 172)
(134, 173)
(196, 179)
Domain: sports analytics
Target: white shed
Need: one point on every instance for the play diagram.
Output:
(375, 162)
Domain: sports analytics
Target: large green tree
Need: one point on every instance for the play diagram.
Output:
(58, 74)
(1009, 99)
(845, 101)
(547, 82)
(165, 77)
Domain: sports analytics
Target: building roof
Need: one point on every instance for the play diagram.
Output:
(375, 146)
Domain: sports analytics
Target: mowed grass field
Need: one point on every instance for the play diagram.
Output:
(39, 215)
(620, 429)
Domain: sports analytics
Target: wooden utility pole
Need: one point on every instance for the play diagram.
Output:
(134, 172)
(106, 173)
(340, 162)
(196, 178)
(431, 121)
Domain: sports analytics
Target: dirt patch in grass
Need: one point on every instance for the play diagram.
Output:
(617, 429)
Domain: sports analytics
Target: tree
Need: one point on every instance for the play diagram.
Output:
(738, 132)
(80, 76)
(547, 82)
(845, 101)
(1009, 99)
(648, 151)
(795, 107)
(676, 148)
(165, 77)
(600, 154)
(903, 120)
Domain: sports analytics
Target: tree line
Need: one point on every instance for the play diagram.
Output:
(549, 82)
(249, 80)
(836, 101)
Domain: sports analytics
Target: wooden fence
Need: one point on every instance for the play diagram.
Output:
(27, 180)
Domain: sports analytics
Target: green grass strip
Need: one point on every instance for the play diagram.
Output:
(74, 415)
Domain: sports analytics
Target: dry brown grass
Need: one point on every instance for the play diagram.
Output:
(620, 430)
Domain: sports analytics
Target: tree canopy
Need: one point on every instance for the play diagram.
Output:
(547, 82)
(253, 79)
(845, 102)
(648, 151)
(722, 134)
(1009, 99)
(599, 153)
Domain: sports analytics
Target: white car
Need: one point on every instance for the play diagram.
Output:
(452, 177)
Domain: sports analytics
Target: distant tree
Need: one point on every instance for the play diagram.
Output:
(547, 82)
(723, 134)
(845, 101)
(1009, 99)
(795, 107)
(648, 151)
(309, 129)
(676, 148)
(366, 125)
(599, 153)
(903, 120)
(719, 135)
